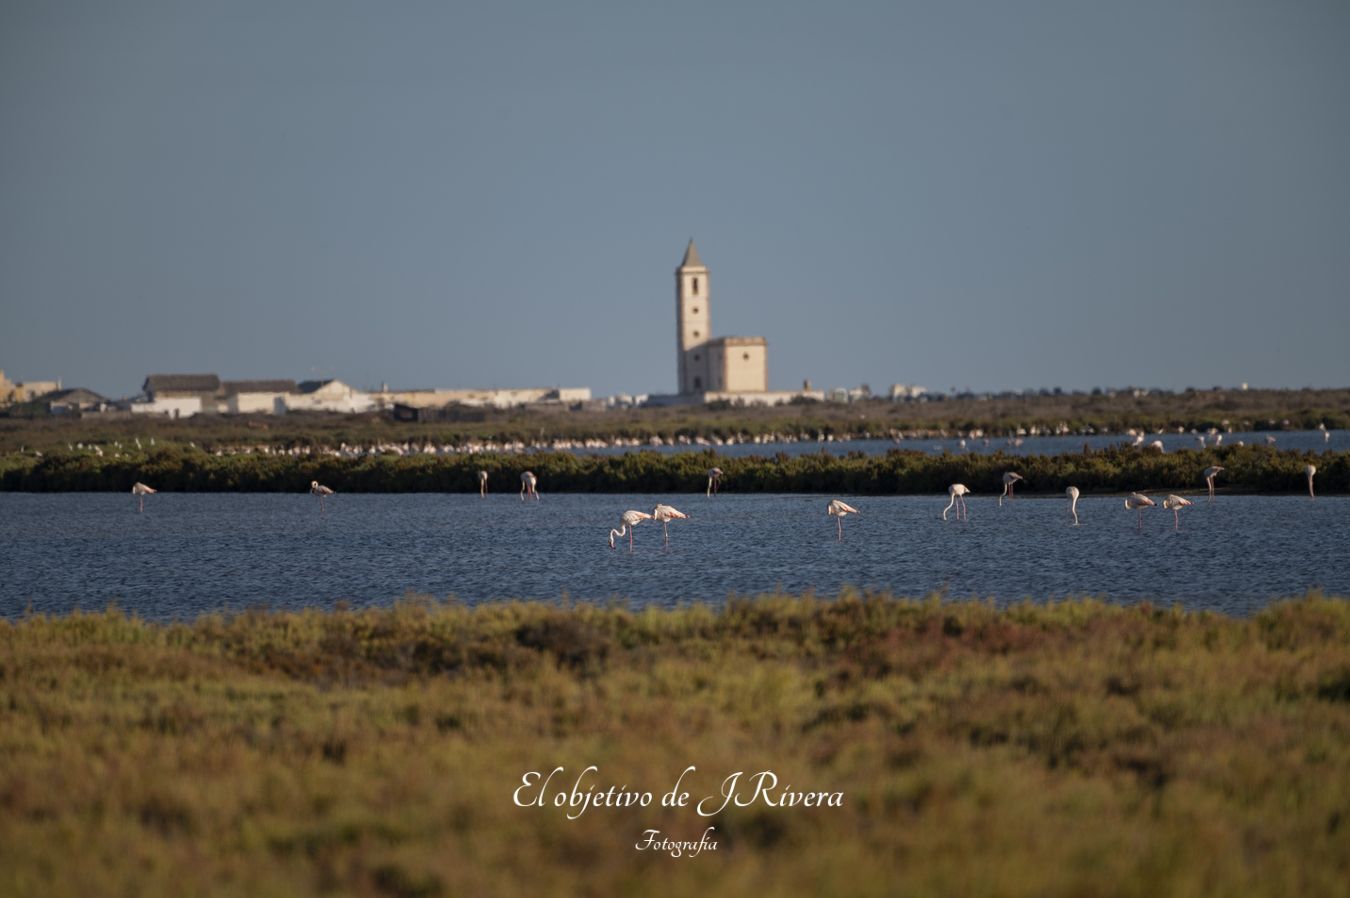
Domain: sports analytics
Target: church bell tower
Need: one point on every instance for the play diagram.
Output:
(693, 322)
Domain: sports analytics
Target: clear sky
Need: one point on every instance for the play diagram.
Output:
(988, 195)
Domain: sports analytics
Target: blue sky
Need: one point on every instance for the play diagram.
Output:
(985, 195)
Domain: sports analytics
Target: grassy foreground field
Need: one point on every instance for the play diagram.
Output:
(1069, 749)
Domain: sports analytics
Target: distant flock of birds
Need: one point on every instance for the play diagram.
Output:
(837, 509)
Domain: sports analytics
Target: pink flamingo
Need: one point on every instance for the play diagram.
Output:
(665, 514)
(1210, 473)
(482, 484)
(1176, 503)
(1309, 471)
(527, 482)
(957, 492)
(140, 491)
(318, 489)
(1138, 502)
(714, 480)
(627, 521)
(838, 510)
(1009, 479)
(1072, 493)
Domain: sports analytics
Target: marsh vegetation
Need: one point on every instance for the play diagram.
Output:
(1076, 748)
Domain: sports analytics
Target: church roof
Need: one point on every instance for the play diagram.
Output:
(691, 259)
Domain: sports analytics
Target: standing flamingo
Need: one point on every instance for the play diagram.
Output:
(140, 491)
(837, 510)
(318, 489)
(1210, 473)
(1176, 503)
(665, 514)
(1138, 502)
(957, 492)
(527, 482)
(1309, 471)
(1009, 479)
(482, 484)
(1072, 493)
(627, 521)
(714, 480)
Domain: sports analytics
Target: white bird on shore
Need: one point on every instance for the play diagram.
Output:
(527, 483)
(1138, 502)
(1176, 503)
(1309, 471)
(665, 514)
(482, 483)
(837, 510)
(627, 521)
(1072, 493)
(140, 491)
(1010, 478)
(318, 489)
(714, 480)
(957, 492)
(1210, 473)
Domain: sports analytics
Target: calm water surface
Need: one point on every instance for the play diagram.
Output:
(193, 553)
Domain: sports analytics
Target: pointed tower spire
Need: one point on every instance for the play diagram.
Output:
(691, 259)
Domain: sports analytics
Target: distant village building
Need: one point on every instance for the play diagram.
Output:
(707, 363)
(328, 396)
(177, 395)
(25, 391)
(504, 398)
(74, 401)
(245, 397)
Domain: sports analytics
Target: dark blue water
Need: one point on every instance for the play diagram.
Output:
(192, 553)
(1300, 440)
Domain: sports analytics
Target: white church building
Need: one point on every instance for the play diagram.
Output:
(712, 368)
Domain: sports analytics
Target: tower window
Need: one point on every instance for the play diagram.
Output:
(694, 310)
(695, 286)
(746, 356)
(696, 333)
(698, 383)
(697, 356)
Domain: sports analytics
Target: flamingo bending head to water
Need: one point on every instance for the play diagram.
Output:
(482, 483)
(1210, 473)
(957, 492)
(665, 514)
(1138, 502)
(527, 485)
(1176, 503)
(714, 480)
(627, 521)
(1072, 493)
(1010, 478)
(837, 510)
(140, 491)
